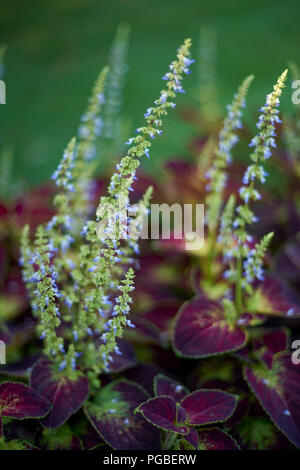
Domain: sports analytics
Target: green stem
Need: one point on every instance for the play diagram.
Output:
(170, 441)
(211, 258)
(238, 289)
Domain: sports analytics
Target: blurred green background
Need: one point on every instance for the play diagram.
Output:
(56, 48)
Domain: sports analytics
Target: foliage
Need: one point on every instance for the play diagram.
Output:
(143, 346)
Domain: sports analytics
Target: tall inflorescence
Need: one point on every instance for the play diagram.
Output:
(112, 120)
(208, 95)
(222, 158)
(249, 261)
(80, 286)
(89, 131)
(112, 210)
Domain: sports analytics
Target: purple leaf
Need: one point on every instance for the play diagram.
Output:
(89, 436)
(240, 412)
(67, 394)
(192, 438)
(278, 391)
(163, 385)
(273, 297)
(162, 412)
(161, 315)
(201, 329)
(20, 401)
(144, 375)
(288, 260)
(270, 343)
(180, 414)
(112, 414)
(215, 439)
(21, 368)
(125, 360)
(243, 354)
(144, 330)
(208, 406)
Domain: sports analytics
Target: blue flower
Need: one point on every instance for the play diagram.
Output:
(187, 62)
(62, 365)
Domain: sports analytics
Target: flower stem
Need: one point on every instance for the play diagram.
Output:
(170, 441)
(238, 288)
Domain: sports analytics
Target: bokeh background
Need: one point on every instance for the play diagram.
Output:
(57, 47)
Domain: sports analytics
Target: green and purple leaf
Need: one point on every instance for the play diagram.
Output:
(16, 444)
(201, 330)
(278, 391)
(111, 413)
(208, 406)
(20, 401)
(162, 412)
(273, 297)
(61, 438)
(67, 394)
(259, 433)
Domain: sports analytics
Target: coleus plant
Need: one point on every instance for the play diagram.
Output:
(19, 401)
(81, 291)
(90, 281)
(75, 279)
(225, 320)
(180, 413)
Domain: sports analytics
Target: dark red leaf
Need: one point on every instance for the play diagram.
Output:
(162, 314)
(192, 438)
(163, 385)
(112, 415)
(89, 436)
(270, 343)
(288, 260)
(240, 412)
(66, 394)
(144, 375)
(144, 331)
(162, 412)
(202, 330)
(20, 401)
(20, 368)
(278, 391)
(273, 297)
(215, 439)
(208, 406)
(125, 360)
